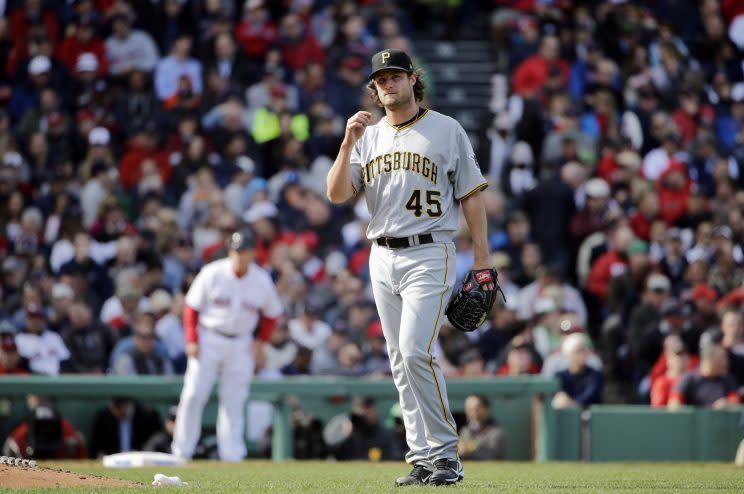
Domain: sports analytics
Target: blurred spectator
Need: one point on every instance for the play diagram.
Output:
(611, 264)
(178, 72)
(726, 272)
(46, 351)
(673, 264)
(308, 436)
(481, 438)
(124, 425)
(129, 49)
(497, 150)
(710, 386)
(704, 315)
(376, 360)
(82, 40)
(521, 358)
(168, 326)
(594, 215)
(161, 440)
(558, 361)
(11, 362)
(272, 82)
(580, 384)
(518, 174)
(44, 434)
(300, 363)
(349, 361)
(298, 46)
(672, 364)
(731, 337)
(532, 74)
(308, 329)
(118, 311)
(344, 88)
(136, 106)
(228, 63)
(256, 31)
(675, 319)
(550, 207)
(648, 312)
(362, 435)
(550, 283)
(26, 93)
(280, 350)
(88, 341)
(142, 359)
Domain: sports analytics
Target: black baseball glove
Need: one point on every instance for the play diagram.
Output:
(470, 306)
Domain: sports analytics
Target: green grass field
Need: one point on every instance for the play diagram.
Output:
(372, 478)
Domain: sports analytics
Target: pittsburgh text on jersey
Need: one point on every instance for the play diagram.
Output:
(400, 161)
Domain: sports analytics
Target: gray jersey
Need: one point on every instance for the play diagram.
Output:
(414, 175)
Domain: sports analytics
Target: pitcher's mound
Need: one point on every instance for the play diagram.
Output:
(16, 477)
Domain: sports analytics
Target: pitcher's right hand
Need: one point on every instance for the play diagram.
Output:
(355, 126)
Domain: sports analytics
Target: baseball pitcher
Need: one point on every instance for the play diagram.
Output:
(416, 166)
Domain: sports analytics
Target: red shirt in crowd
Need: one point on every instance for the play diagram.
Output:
(641, 225)
(662, 389)
(504, 370)
(662, 385)
(71, 48)
(606, 267)
(130, 166)
(17, 371)
(19, 25)
(673, 201)
(296, 56)
(532, 74)
(255, 38)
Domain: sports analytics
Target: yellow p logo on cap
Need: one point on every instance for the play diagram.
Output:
(385, 56)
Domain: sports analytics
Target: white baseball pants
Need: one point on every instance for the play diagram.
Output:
(411, 288)
(231, 361)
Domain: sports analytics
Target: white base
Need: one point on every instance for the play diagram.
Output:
(135, 459)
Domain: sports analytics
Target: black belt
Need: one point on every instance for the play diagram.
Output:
(226, 335)
(398, 243)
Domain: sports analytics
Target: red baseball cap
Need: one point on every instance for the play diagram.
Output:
(374, 330)
(704, 291)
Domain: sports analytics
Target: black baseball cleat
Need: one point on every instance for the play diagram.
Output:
(418, 476)
(446, 472)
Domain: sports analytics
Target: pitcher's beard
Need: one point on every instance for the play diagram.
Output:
(398, 102)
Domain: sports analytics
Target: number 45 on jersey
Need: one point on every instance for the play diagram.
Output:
(433, 206)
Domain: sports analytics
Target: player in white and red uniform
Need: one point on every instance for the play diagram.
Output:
(226, 302)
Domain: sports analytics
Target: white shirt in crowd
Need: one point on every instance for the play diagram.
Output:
(44, 351)
(313, 338)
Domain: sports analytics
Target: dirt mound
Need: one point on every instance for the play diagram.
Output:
(16, 477)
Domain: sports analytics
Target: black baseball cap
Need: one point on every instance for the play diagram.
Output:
(242, 240)
(391, 59)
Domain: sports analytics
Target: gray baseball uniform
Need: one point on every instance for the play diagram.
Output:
(413, 176)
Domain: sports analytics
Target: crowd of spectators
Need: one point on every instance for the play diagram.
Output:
(136, 135)
(617, 139)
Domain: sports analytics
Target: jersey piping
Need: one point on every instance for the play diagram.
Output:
(431, 340)
(478, 188)
(398, 128)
